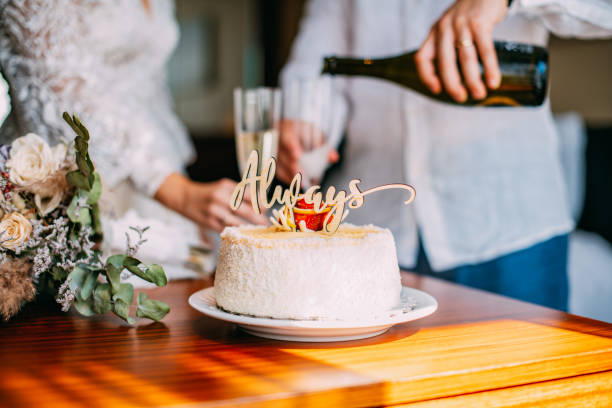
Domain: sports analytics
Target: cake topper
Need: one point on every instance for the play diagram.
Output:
(307, 211)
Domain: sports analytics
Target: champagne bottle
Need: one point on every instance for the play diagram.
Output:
(524, 70)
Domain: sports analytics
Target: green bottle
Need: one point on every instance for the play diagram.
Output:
(524, 70)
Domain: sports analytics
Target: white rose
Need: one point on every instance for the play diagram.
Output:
(33, 163)
(15, 230)
(39, 169)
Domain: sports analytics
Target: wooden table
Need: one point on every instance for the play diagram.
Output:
(477, 350)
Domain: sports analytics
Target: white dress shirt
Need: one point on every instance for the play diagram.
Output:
(488, 180)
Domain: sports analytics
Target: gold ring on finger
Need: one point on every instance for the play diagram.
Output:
(465, 43)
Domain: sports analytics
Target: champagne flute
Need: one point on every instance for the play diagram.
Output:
(257, 120)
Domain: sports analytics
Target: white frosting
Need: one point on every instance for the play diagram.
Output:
(351, 274)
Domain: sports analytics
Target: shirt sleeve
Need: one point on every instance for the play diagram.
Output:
(49, 58)
(570, 18)
(323, 31)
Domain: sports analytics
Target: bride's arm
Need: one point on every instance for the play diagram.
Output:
(55, 61)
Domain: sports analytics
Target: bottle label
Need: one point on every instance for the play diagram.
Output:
(498, 100)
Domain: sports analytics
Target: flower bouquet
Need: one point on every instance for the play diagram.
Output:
(50, 233)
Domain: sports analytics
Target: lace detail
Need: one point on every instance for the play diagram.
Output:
(105, 61)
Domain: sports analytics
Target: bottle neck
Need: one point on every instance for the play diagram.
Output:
(400, 69)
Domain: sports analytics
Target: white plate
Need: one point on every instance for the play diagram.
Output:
(415, 304)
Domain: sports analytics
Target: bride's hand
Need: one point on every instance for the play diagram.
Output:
(206, 203)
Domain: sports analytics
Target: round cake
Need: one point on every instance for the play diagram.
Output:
(267, 272)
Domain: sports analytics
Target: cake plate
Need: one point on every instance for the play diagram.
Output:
(414, 304)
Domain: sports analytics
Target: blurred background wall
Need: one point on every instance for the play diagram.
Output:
(230, 43)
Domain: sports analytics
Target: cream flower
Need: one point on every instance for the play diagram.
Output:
(33, 163)
(15, 230)
(35, 167)
(47, 204)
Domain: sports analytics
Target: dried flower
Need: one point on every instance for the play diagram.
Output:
(65, 295)
(37, 168)
(44, 239)
(16, 286)
(18, 202)
(15, 230)
(133, 249)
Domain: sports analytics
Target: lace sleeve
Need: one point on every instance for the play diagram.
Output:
(98, 60)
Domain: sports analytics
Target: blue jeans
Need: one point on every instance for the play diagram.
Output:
(537, 274)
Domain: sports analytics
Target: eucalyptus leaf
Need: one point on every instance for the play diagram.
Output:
(77, 179)
(77, 277)
(122, 309)
(153, 273)
(81, 145)
(84, 216)
(96, 223)
(158, 275)
(71, 211)
(88, 285)
(81, 161)
(102, 298)
(140, 273)
(84, 307)
(125, 293)
(131, 261)
(74, 127)
(114, 276)
(81, 127)
(116, 260)
(73, 235)
(151, 308)
(96, 190)
(59, 274)
(122, 301)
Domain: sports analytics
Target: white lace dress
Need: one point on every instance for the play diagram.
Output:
(105, 61)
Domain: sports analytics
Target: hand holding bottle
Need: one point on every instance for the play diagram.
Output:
(464, 34)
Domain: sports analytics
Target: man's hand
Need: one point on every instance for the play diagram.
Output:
(296, 137)
(464, 32)
(207, 203)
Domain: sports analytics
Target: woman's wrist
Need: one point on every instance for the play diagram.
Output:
(173, 191)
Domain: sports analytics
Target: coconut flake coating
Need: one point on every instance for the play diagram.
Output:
(352, 274)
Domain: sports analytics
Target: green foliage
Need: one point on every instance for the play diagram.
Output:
(153, 273)
(77, 179)
(94, 194)
(153, 309)
(84, 307)
(91, 295)
(88, 285)
(102, 298)
(77, 211)
(122, 301)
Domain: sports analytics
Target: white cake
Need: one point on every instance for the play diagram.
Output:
(352, 274)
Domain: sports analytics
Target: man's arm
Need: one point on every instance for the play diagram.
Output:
(465, 33)
(323, 31)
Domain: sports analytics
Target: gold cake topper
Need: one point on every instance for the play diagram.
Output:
(333, 206)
